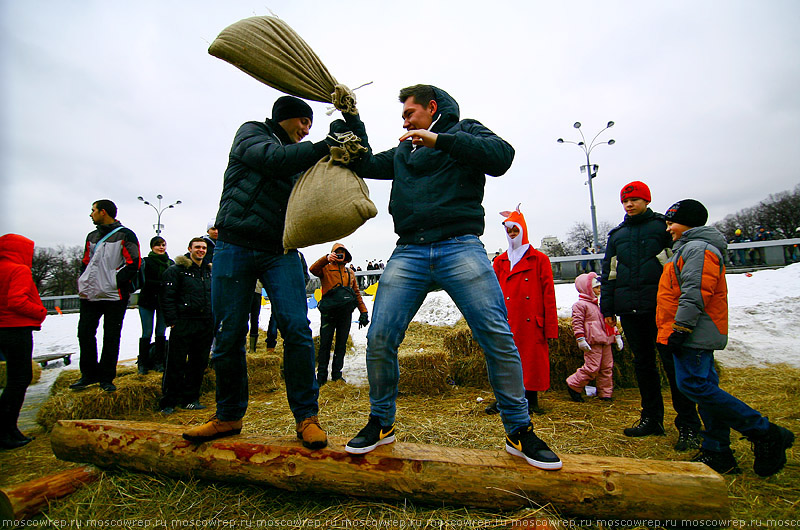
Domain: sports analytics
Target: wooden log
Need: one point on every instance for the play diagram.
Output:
(29, 498)
(593, 486)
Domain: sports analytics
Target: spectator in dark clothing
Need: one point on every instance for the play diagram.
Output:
(21, 313)
(762, 234)
(110, 261)
(186, 301)
(211, 242)
(635, 255)
(153, 267)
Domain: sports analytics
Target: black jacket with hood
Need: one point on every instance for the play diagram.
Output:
(186, 291)
(263, 165)
(636, 252)
(437, 193)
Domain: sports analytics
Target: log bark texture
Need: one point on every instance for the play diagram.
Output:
(593, 486)
(29, 498)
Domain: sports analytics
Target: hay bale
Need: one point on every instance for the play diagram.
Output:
(264, 372)
(135, 393)
(424, 372)
(468, 365)
(37, 373)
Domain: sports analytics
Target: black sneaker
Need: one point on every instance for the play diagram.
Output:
(688, 438)
(645, 427)
(770, 448)
(575, 396)
(82, 383)
(370, 437)
(491, 408)
(723, 462)
(194, 405)
(166, 411)
(525, 444)
(108, 387)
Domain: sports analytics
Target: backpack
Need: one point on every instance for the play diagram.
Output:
(137, 282)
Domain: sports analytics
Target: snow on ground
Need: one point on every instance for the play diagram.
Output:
(764, 315)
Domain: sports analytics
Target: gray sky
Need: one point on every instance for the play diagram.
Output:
(112, 99)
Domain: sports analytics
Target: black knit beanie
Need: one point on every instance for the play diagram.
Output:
(287, 107)
(687, 212)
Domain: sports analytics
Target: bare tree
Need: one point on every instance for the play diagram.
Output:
(780, 213)
(42, 266)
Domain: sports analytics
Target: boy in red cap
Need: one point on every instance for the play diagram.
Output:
(635, 254)
(692, 320)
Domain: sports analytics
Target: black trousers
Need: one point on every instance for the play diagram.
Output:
(187, 359)
(641, 332)
(17, 347)
(112, 312)
(255, 312)
(330, 323)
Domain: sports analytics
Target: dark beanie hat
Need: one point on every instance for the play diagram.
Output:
(687, 212)
(635, 190)
(287, 107)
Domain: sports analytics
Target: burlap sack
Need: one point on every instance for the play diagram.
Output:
(271, 51)
(327, 203)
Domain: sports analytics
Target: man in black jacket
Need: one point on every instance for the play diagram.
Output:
(186, 302)
(438, 174)
(265, 161)
(635, 256)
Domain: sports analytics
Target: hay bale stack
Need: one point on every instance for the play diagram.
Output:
(468, 366)
(135, 393)
(264, 372)
(423, 361)
(37, 373)
(466, 359)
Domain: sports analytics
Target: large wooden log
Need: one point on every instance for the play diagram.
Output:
(29, 498)
(598, 487)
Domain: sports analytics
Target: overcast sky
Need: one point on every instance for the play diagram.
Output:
(112, 99)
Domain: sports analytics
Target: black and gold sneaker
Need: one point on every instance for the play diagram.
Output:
(525, 444)
(370, 437)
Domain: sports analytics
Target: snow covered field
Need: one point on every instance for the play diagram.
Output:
(764, 317)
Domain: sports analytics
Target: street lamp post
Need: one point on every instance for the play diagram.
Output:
(590, 169)
(159, 210)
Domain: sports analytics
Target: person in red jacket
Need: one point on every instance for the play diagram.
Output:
(526, 278)
(21, 312)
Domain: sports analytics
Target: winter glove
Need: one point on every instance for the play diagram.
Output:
(676, 340)
(618, 340)
(363, 320)
(583, 345)
(337, 129)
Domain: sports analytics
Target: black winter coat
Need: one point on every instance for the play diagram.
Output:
(635, 255)
(151, 290)
(263, 165)
(437, 193)
(187, 291)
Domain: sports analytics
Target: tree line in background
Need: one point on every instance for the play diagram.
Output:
(55, 271)
(779, 213)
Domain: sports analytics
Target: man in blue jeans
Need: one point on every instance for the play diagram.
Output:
(265, 161)
(438, 173)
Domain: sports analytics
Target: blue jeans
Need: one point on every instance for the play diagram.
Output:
(146, 316)
(461, 267)
(720, 411)
(235, 272)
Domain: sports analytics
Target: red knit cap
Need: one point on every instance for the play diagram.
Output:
(635, 190)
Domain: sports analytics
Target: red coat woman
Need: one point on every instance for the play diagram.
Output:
(526, 278)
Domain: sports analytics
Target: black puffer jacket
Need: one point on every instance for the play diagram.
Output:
(635, 257)
(154, 268)
(186, 292)
(437, 193)
(263, 165)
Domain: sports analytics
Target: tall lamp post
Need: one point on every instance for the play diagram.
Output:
(590, 169)
(159, 210)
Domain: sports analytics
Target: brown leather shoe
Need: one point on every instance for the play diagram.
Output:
(311, 433)
(213, 429)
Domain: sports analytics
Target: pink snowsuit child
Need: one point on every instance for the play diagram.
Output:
(594, 338)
